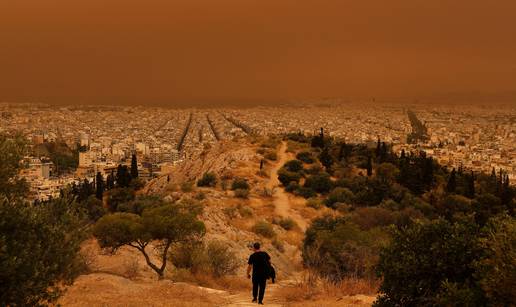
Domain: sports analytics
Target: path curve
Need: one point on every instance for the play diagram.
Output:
(281, 199)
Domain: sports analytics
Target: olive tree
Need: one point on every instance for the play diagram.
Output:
(164, 225)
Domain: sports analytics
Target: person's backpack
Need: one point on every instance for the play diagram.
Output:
(271, 273)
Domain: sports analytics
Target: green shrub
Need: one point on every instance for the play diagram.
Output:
(221, 259)
(287, 223)
(305, 192)
(306, 157)
(188, 255)
(286, 177)
(241, 193)
(208, 180)
(245, 211)
(371, 217)
(214, 258)
(314, 203)
(292, 186)
(496, 269)
(264, 228)
(39, 251)
(240, 183)
(336, 248)
(339, 195)
(321, 183)
(278, 245)
(293, 166)
(314, 170)
(426, 264)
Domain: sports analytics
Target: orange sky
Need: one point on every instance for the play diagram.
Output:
(175, 52)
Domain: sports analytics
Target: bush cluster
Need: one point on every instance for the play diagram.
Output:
(215, 258)
(209, 179)
(264, 229)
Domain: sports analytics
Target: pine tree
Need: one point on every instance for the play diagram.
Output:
(452, 182)
(369, 166)
(134, 167)
(100, 186)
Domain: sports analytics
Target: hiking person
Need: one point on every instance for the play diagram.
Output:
(259, 262)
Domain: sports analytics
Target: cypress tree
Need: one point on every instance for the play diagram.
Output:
(134, 167)
(378, 148)
(493, 184)
(384, 152)
(325, 158)
(342, 150)
(369, 166)
(100, 186)
(123, 176)
(428, 171)
(110, 181)
(452, 182)
(471, 186)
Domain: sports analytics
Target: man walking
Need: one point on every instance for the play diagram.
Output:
(259, 261)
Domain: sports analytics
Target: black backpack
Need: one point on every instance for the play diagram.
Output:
(271, 273)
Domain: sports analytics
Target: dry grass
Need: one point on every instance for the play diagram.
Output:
(109, 290)
(293, 238)
(229, 283)
(312, 288)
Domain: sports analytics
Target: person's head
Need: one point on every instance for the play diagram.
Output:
(256, 246)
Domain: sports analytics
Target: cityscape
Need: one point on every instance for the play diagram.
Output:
(99, 138)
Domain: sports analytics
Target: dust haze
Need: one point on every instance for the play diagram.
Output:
(248, 52)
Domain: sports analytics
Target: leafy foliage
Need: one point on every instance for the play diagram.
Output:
(264, 229)
(240, 183)
(167, 224)
(208, 180)
(442, 262)
(337, 248)
(12, 151)
(39, 248)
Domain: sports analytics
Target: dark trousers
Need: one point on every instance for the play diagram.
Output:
(259, 288)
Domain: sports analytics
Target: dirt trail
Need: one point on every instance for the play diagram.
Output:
(243, 299)
(281, 199)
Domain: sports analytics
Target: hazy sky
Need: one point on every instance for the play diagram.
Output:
(176, 52)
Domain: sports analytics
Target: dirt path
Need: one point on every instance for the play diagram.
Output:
(281, 199)
(243, 299)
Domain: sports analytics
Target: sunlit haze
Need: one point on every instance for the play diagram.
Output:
(206, 52)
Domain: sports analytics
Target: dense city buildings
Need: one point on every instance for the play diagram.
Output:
(74, 143)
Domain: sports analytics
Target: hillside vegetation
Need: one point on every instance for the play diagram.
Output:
(343, 223)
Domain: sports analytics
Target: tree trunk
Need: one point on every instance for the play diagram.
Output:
(159, 271)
